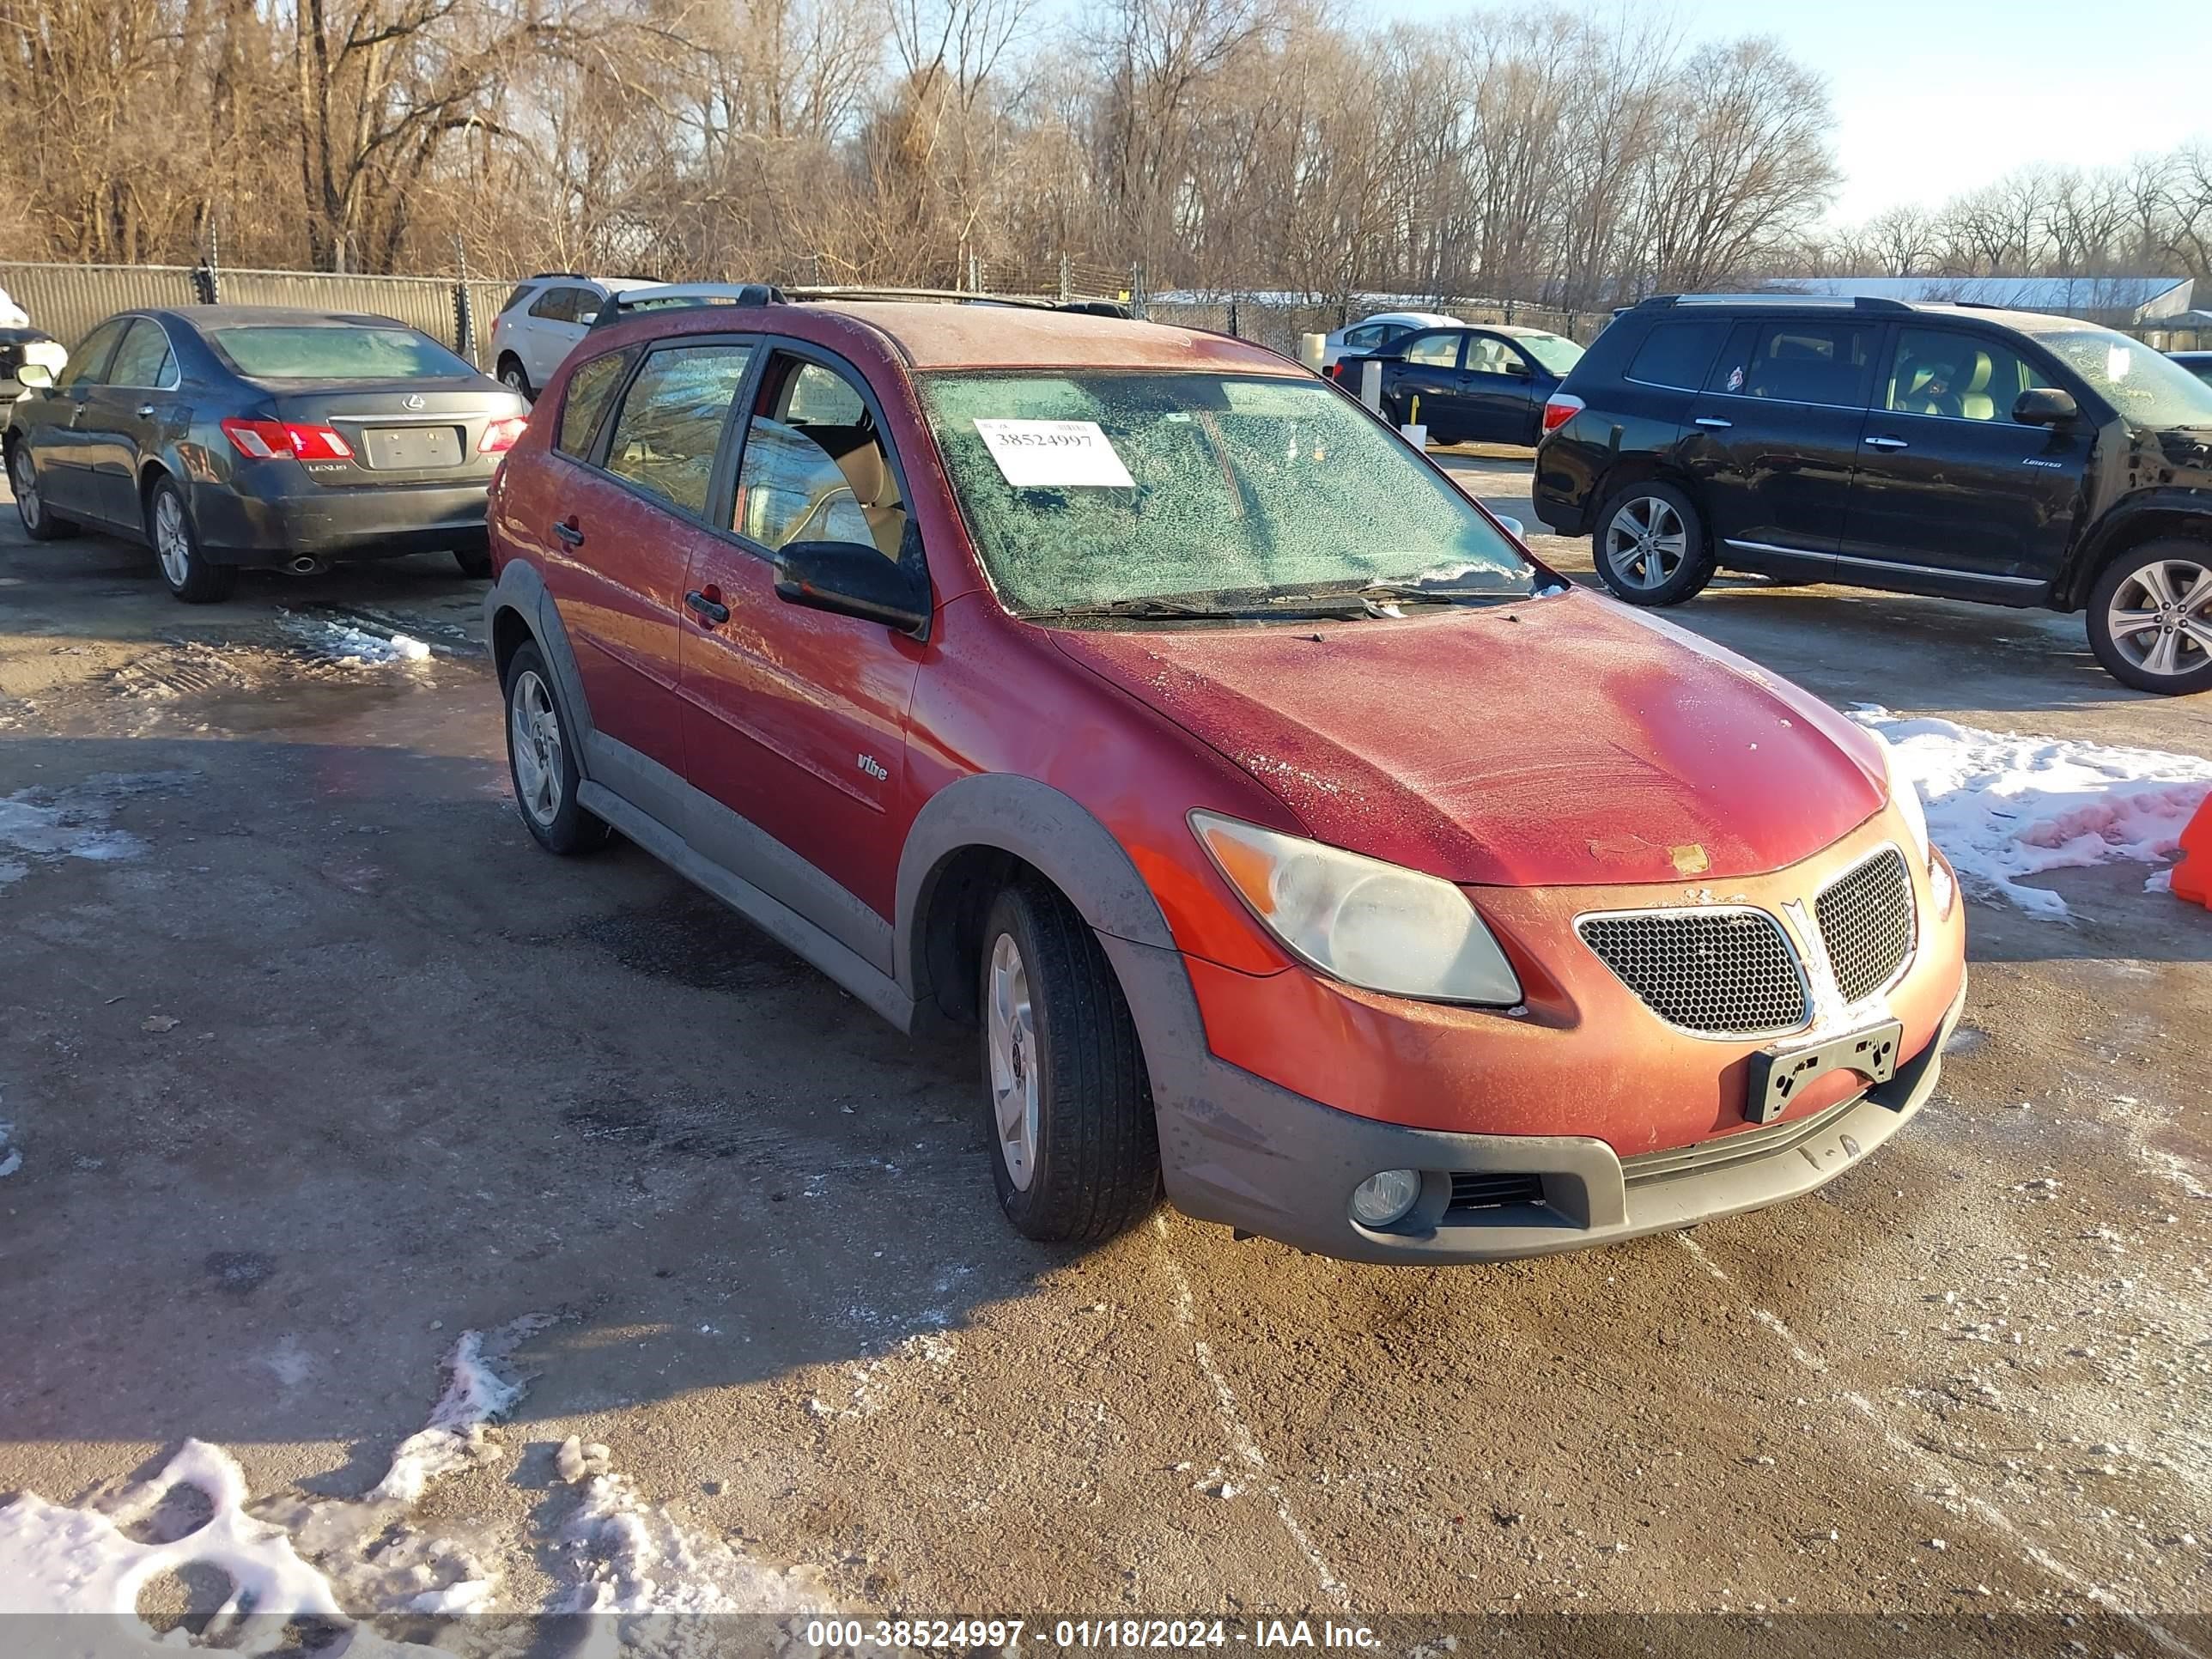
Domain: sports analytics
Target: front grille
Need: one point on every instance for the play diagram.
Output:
(1761, 1142)
(1487, 1189)
(1866, 921)
(1708, 969)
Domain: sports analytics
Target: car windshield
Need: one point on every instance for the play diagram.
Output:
(1085, 490)
(2147, 387)
(278, 352)
(1554, 351)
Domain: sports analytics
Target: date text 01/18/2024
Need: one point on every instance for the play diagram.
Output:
(1167, 1634)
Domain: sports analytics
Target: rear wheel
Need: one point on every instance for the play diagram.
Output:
(541, 759)
(1650, 546)
(2150, 616)
(40, 522)
(1075, 1152)
(473, 560)
(192, 575)
(514, 376)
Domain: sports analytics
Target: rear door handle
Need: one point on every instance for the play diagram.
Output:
(713, 610)
(1886, 443)
(145, 411)
(570, 532)
(1715, 421)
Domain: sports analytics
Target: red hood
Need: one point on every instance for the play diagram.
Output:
(1564, 742)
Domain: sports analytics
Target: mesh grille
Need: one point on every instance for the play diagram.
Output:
(1866, 921)
(1704, 971)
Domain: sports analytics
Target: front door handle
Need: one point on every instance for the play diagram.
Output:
(1886, 443)
(570, 531)
(1715, 421)
(711, 610)
(145, 411)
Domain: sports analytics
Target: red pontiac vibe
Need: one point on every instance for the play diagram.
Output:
(1296, 842)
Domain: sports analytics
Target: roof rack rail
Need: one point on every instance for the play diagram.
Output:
(1780, 297)
(541, 275)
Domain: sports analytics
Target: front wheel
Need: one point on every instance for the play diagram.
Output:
(192, 575)
(1650, 546)
(2150, 616)
(1075, 1151)
(473, 560)
(542, 761)
(40, 522)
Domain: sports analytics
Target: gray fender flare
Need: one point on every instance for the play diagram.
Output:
(1045, 829)
(521, 590)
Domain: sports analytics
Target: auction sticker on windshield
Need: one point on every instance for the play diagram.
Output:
(1055, 454)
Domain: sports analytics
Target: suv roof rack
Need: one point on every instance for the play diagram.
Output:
(683, 295)
(542, 275)
(1811, 302)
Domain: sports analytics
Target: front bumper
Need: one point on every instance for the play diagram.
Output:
(1239, 1150)
(377, 521)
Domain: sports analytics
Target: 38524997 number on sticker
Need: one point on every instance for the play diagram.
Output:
(1055, 454)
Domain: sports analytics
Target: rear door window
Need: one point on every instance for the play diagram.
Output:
(1810, 360)
(556, 305)
(590, 389)
(143, 361)
(1678, 354)
(1433, 350)
(671, 418)
(1362, 339)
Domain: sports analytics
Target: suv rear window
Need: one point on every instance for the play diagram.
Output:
(1678, 354)
(1798, 361)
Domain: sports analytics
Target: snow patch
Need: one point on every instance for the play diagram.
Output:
(343, 642)
(2003, 806)
(635, 1558)
(48, 825)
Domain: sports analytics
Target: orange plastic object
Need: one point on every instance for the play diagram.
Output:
(2192, 876)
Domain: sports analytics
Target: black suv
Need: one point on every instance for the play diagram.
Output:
(1942, 449)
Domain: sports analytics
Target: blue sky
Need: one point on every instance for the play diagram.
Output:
(1934, 98)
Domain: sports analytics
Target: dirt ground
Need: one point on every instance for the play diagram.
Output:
(314, 1062)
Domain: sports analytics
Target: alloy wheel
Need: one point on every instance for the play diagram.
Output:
(1646, 542)
(172, 542)
(2160, 618)
(1011, 1040)
(23, 477)
(533, 736)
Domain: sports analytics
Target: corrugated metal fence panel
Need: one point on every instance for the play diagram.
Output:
(68, 302)
(423, 303)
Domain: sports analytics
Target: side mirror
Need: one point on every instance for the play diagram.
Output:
(2045, 405)
(587, 318)
(34, 374)
(1514, 528)
(1521, 371)
(854, 580)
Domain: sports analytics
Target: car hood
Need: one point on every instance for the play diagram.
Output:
(1561, 741)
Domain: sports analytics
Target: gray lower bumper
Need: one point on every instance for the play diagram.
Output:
(365, 522)
(1239, 1150)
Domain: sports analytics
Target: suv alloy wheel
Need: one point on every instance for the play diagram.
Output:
(2150, 617)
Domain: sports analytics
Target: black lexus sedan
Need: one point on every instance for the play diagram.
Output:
(230, 436)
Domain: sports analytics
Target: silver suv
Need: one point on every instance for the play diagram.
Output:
(543, 319)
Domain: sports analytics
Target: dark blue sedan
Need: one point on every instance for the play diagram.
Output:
(1479, 384)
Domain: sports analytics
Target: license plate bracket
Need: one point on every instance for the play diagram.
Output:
(1779, 1073)
(406, 449)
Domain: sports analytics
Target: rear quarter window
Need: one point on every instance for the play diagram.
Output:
(1678, 354)
(590, 389)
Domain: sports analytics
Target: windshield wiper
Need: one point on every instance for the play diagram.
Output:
(1445, 592)
(1156, 610)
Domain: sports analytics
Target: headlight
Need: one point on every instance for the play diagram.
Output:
(1368, 923)
(1906, 794)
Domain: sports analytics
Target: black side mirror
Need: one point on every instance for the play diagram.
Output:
(2046, 405)
(854, 580)
(1521, 371)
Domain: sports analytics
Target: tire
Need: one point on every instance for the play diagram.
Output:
(541, 760)
(514, 377)
(40, 522)
(2150, 616)
(474, 562)
(1074, 1147)
(192, 575)
(1650, 546)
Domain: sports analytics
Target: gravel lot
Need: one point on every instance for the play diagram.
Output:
(315, 1062)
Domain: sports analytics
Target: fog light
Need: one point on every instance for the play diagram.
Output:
(1383, 1199)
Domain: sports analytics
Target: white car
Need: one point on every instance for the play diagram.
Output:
(1372, 333)
(543, 319)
